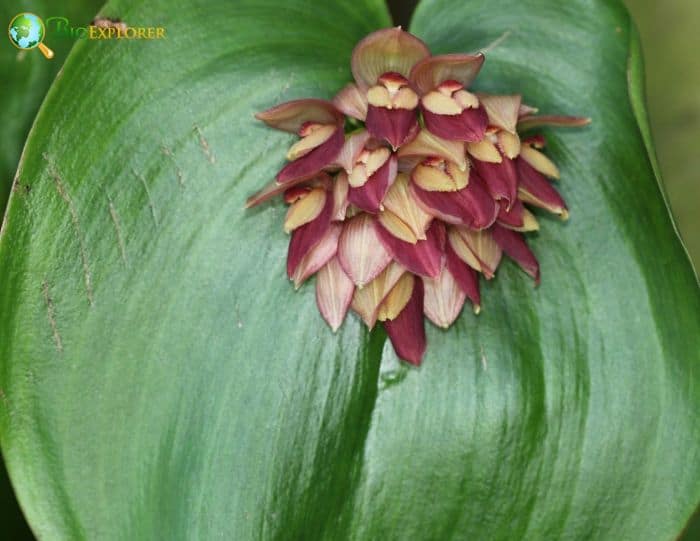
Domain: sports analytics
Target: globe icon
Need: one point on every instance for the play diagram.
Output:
(27, 31)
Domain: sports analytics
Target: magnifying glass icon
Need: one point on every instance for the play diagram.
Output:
(27, 31)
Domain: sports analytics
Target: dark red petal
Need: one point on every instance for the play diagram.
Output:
(406, 331)
(513, 217)
(536, 184)
(424, 257)
(472, 206)
(392, 125)
(369, 196)
(307, 236)
(311, 164)
(501, 178)
(515, 247)
(468, 126)
(466, 277)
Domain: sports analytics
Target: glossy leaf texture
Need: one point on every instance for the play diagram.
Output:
(161, 379)
(25, 76)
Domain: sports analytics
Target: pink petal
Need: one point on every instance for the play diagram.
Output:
(466, 277)
(427, 74)
(352, 148)
(533, 121)
(351, 102)
(370, 195)
(307, 236)
(443, 300)
(318, 256)
(340, 196)
(472, 206)
(424, 257)
(387, 50)
(406, 332)
(501, 178)
(360, 252)
(334, 292)
(428, 144)
(292, 115)
(311, 164)
(395, 126)
(468, 126)
(502, 110)
(536, 190)
(515, 247)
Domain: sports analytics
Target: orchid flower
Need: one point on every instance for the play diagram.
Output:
(400, 217)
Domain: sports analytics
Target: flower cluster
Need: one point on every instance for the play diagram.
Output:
(407, 186)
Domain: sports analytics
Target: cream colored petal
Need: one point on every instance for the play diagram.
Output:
(443, 299)
(305, 209)
(397, 227)
(502, 110)
(477, 249)
(319, 135)
(436, 102)
(509, 143)
(340, 196)
(360, 250)
(400, 202)
(427, 144)
(366, 301)
(485, 151)
(397, 299)
(334, 291)
(539, 161)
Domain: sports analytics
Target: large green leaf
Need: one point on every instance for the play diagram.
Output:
(160, 378)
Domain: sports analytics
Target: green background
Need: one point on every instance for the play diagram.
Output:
(672, 72)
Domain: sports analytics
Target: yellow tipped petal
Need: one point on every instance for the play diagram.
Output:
(438, 103)
(477, 249)
(485, 151)
(509, 143)
(397, 299)
(366, 301)
(400, 202)
(376, 158)
(358, 176)
(318, 135)
(530, 223)
(539, 161)
(445, 178)
(305, 209)
(397, 227)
